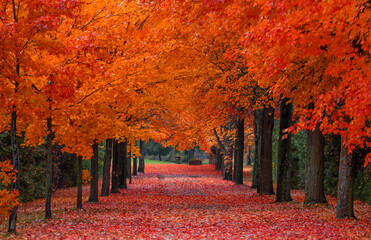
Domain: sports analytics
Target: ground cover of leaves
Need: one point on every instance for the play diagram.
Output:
(187, 202)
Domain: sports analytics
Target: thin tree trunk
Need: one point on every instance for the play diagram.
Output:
(219, 159)
(141, 158)
(107, 168)
(79, 182)
(239, 150)
(228, 163)
(115, 168)
(122, 146)
(94, 174)
(314, 168)
(49, 169)
(284, 154)
(135, 166)
(344, 207)
(266, 180)
(234, 161)
(129, 165)
(248, 162)
(258, 127)
(15, 158)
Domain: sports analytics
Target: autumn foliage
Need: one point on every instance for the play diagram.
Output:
(181, 72)
(8, 198)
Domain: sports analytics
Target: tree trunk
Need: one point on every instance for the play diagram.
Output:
(234, 161)
(129, 166)
(159, 157)
(135, 166)
(49, 169)
(15, 158)
(115, 168)
(228, 163)
(94, 174)
(258, 127)
(314, 168)
(266, 181)
(284, 154)
(344, 207)
(240, 149)
(141, 158)
(79, 182)
(107, 168)
(248, 163)
(122, 147)
(219, 159)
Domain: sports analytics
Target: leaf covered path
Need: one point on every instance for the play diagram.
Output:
(187, 202)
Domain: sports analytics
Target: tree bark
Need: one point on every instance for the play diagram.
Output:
(115, 168)
(107, 168)
(94, 174)
(49, 169)
(228, 163)
(248, 163)
(240, 149)
(284, 154)
(79, 182)
(266, 181)
(135, 166)
(344, 207)
(141, 158)
(122, 147)
(15, 159)
(258, 127)
(314, 168)
(234, 161)
(219, 159)
(129, 166)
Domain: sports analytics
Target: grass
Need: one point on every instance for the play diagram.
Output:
(149, 161)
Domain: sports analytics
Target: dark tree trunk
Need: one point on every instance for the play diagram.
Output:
(159, 157)
(135, 166)
(122, 147)
(141, 158)
(94, 174)
(79, 182)
(49, 169)
(15, 159)
(115, 168)
(258, 127)
(266, 181)
(219, 159)
(248, 163)
(228, 163)
(240, 149)
(234, 161)
(107, 167)
(314, 168)
(344, 207)
(129, 166)
(284, 154)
